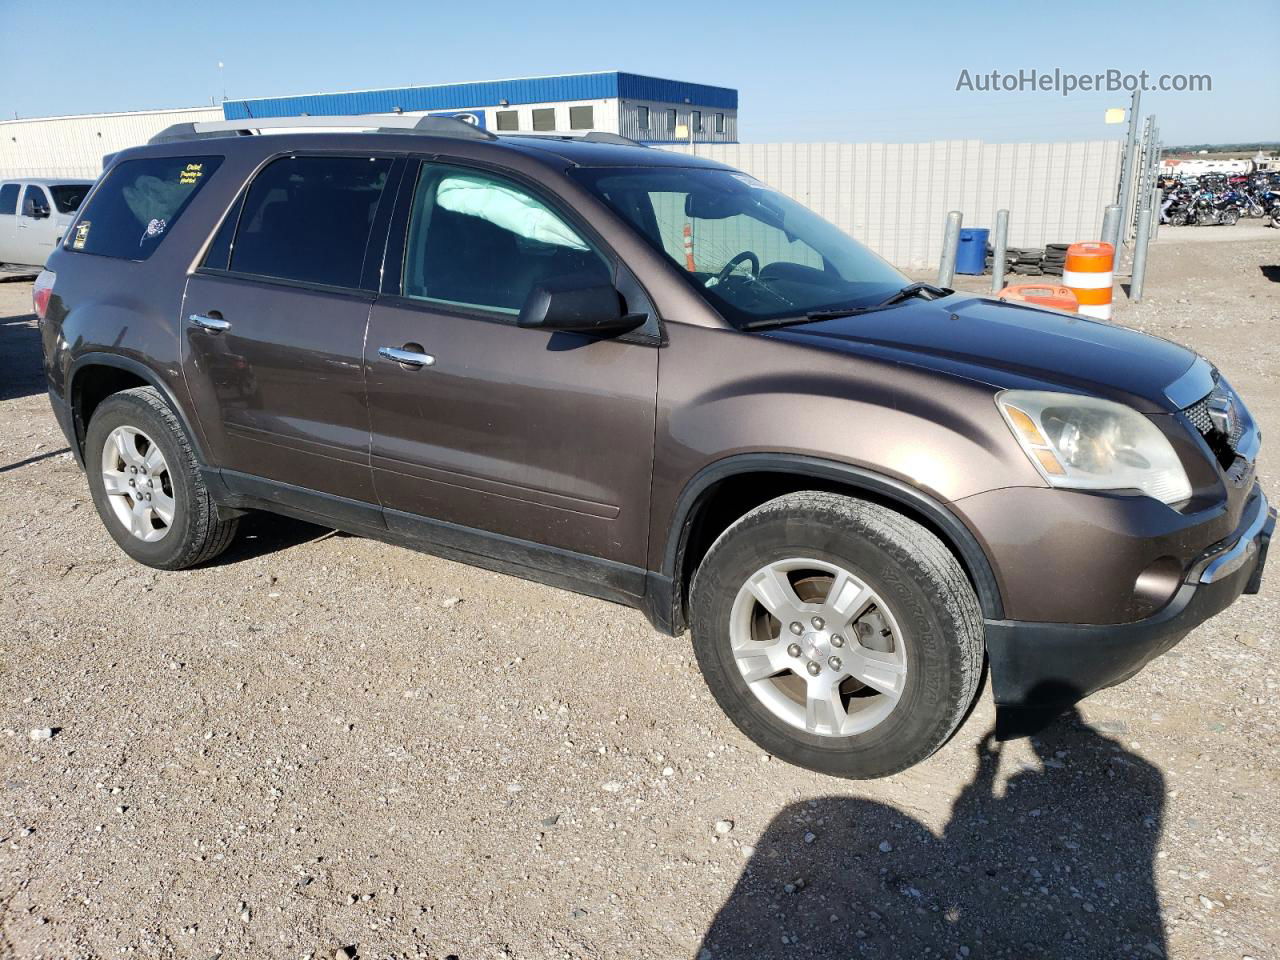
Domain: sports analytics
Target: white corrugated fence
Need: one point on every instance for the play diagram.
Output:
(894, 197)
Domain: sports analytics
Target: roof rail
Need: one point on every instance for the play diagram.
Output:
(594, 136)
(376, 123)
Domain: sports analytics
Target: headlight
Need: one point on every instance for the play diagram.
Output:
(1090, 444)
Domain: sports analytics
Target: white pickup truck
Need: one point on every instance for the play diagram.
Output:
(34, 214)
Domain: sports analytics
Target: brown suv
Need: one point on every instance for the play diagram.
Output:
(650, 378)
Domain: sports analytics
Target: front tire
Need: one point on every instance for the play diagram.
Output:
(837, 634)
(146, 484)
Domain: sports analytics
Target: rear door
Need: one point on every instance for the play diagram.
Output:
(529, 434)
(275, 322)
(9, 193)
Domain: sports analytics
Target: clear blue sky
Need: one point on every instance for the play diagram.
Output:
(805, 70)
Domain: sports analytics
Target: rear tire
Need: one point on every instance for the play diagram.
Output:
(158, 509)
(918, 640)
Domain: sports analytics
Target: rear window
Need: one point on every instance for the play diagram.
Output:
(67, 197)
(307, 219)
(137, 205)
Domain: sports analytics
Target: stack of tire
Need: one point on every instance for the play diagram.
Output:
(1055, 257)
(1025, 261)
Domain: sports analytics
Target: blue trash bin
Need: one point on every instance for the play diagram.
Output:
(971, 254)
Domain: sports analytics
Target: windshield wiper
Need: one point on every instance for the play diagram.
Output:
(916, 290)
(927, 290)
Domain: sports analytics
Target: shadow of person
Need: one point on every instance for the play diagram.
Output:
(1058, 863)
(21, 363)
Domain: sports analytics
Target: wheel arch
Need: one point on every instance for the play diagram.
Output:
(93, 377)
(725, 490)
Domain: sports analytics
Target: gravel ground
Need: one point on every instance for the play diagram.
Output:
(324, 746)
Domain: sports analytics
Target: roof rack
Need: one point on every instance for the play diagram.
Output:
(594, 136)
(375, 123)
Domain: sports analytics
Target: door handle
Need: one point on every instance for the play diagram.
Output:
(210, 323)
(410, 358)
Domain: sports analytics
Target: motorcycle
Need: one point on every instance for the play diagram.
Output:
(1210, 209)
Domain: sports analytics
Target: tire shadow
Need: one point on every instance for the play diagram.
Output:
(263, 533)
(1060, 865)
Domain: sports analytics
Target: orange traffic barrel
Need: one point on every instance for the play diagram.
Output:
(1088, 273)
(1057, 298)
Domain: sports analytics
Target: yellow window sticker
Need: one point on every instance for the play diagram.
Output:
(82, 234)
(191, 174)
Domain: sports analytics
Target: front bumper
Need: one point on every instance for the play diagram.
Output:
(1046, 665)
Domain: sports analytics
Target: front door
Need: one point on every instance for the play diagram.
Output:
(532, 435)
(36, 226)
(275, 323)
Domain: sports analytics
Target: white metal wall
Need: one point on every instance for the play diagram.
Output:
(894, 197)
(75, 146)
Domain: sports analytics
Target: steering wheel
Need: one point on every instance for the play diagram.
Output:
(744, 256)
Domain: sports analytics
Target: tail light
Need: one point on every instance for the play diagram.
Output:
(41, 292)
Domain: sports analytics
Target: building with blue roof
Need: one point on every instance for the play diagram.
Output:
(648, 109)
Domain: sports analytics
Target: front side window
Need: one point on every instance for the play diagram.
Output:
(138, 203)
(35, 202)
(67, 197)
(8, 199)
(544, 119)
(754, 253)
(308, 219)
(484, 242)
(581, 118)
(508, 119)
(642, 118)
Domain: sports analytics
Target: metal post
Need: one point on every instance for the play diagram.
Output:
(1111, 226)
(1148, 182)
(1157, 148)
(999, 249)
(1129, 165)
(1142, 174)
(1140, 249)
(950, 244)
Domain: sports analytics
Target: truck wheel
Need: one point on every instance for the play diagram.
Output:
(146, 483)
(837, 634)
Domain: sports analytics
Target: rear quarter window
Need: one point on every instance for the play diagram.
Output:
(136, 206)
(67, 197)
(9, 199)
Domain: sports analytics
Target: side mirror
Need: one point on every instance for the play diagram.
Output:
(578, 304)
(38, 212)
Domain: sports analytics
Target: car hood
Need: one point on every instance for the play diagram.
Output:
(1013, 346)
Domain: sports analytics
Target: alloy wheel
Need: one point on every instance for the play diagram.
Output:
(818, 647)
(138, 486)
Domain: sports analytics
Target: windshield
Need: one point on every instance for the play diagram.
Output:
(67, 197)
(755, 253)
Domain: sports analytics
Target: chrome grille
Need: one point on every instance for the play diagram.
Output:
(1201, 416)
(1198, 414)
